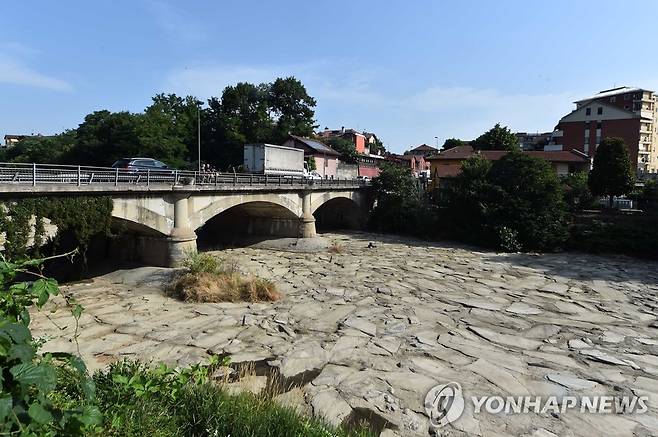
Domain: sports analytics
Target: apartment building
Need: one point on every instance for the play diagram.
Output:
(624, 112)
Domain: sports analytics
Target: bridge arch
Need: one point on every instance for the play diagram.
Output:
(210, 206)
(147, 216)
(338, 210)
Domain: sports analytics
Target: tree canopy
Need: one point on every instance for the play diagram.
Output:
(496, 138)
(167, 129)
(515, 203)
(345, 147)
(451, 142)
(611, 174)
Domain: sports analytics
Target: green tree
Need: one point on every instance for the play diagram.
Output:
(292, 109)
(47, 149)
(451, 142)
(169, 128)
(530, 201)
(104, 136)
(496, 138)
(514, 203)
(345, 147)
(576, 191)
(401, 204)
(611, 174)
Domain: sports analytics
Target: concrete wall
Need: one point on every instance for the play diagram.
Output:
(347, 171)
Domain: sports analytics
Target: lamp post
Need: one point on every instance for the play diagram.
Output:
(198, 126)
(437, 142)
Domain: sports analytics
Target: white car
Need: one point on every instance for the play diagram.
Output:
(363, 178)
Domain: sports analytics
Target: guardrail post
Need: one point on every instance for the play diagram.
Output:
(79, 176)
(116, 177)
(148, 177)
(251, 179)
(34, 174)
(216, 177)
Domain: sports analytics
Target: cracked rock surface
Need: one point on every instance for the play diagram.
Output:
(368, 332)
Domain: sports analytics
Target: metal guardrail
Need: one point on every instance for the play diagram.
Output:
(48, 174)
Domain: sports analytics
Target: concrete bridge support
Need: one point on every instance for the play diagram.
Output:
(182, 238)
(307, 221)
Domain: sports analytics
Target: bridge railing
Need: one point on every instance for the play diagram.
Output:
(49, 174)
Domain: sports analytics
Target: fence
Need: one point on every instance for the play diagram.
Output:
(47, 174)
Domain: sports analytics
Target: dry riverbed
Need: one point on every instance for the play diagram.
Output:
(367, 332)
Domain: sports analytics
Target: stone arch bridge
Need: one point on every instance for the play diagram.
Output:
(164, 216)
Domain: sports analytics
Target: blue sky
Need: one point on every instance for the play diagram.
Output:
(408, 71)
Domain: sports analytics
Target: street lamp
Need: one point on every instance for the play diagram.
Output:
(198, 125)
(437, 142)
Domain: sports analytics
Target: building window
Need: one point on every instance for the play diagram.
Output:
(588, 111)
(627, 96)
(599, 125)
(586, 148)
(613, 99)
(599, 110)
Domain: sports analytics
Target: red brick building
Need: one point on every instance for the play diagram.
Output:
(627, 113)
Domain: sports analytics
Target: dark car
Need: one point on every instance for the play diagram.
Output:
(140, 164)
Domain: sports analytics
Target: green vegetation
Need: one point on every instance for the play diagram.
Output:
(346, 149)
(577, 194)
(452, 142)
(515, 203)
(496, 138)
(612, 174)
(53, 395)
(167, 129)
(80, 217)
(29, 380)
(207, 279)
(402, 207)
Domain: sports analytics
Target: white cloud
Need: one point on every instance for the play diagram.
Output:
(14, 70)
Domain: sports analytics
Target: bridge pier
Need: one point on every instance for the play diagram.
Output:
(307, 221)
(182, 238)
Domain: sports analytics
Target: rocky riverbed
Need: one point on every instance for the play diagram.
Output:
(366, 333)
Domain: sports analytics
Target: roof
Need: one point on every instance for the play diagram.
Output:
(612, 92)
(316, 146)
(461, 153)
(626, 112)
(425, 148)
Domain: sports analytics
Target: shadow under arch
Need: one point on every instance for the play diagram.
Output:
(338, 213)
(248, 223)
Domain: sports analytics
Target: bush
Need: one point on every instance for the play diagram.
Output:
(514, 203)
(576, 192)
(401, 204)
(210, 280)
(29, 380)
(201, 262)
(163, 401)
(223, 287)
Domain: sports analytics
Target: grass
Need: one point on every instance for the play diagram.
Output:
(207, 279)
(139, 400)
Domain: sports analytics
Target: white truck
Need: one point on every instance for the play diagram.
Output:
(270, 159)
